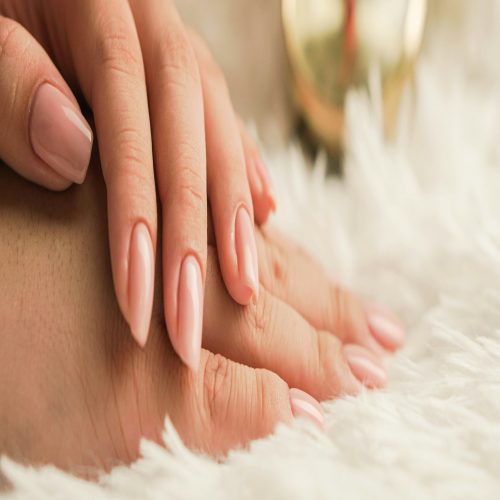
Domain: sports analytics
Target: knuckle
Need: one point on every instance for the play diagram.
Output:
(131, 152)
(14, 49)
(272, 398)
(217, 380)
(329, 360)
(344, 314)
(191, 198)
(189, 192)
(257, 323)
(116, 50)
(176, 61)
(129, 143)
(337, 311)
(213, 73)
(11, 38)
(211, 70)
(131, 163)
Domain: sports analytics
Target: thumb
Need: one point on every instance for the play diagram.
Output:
(43, 134)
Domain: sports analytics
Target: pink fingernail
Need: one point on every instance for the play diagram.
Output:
(59, 133)
(364, 367)
(267, 182)
(140, 283)
(304, 405)
(246, 251)
(385, 329)
(189, 313)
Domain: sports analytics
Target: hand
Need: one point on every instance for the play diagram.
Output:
(164, 122)
(64, 357)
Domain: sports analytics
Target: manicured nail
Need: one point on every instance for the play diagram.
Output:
(189, 313)
(304, 405)
(140, 283)
(385, 329)
(267, 183)
(364, 367)
(246, 251)
(59, 133)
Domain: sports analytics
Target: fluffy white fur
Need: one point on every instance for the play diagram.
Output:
(415, 224)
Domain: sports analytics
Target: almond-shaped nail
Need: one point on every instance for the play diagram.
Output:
(189, 313)
(364, 366)
(246, 251)
(140, 282)
(59, 133)
(385, 329)
(305, 406)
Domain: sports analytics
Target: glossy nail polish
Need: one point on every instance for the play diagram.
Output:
(59, 133)
(189, 313)
(385, 329)
(140, 282)
(365, 367)
(305, 406)
(246, 251)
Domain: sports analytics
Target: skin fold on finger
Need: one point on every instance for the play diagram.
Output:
(292, 275)
(227, 181)
(221, 406)
(273, 335)
(177, 119)
(226, 404)
(240, 403)
(264, 199)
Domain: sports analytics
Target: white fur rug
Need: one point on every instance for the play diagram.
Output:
(416, 225)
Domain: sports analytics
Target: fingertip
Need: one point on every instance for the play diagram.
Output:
(262, 209)
(271, 201)
(269, 191)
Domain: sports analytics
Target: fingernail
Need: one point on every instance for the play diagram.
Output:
(305, 406)
(385, 329)
(267, 182)
(246, 251)
(364, 367)
(59, 133)
(189, 313)
(140, 283)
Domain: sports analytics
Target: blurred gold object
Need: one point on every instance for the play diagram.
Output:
(334, 44)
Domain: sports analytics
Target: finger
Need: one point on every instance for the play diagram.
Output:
(108, 62)
(228, 405)
(43, 135)
(228, 189)
(274, 336)
(176, 105)
(292, 275)
(263, 197)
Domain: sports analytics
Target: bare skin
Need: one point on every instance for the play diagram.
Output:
(77, 391)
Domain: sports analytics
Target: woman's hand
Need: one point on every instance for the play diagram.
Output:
(164, 123)
(64, 357)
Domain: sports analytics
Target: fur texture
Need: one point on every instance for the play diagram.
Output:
(415, 224)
